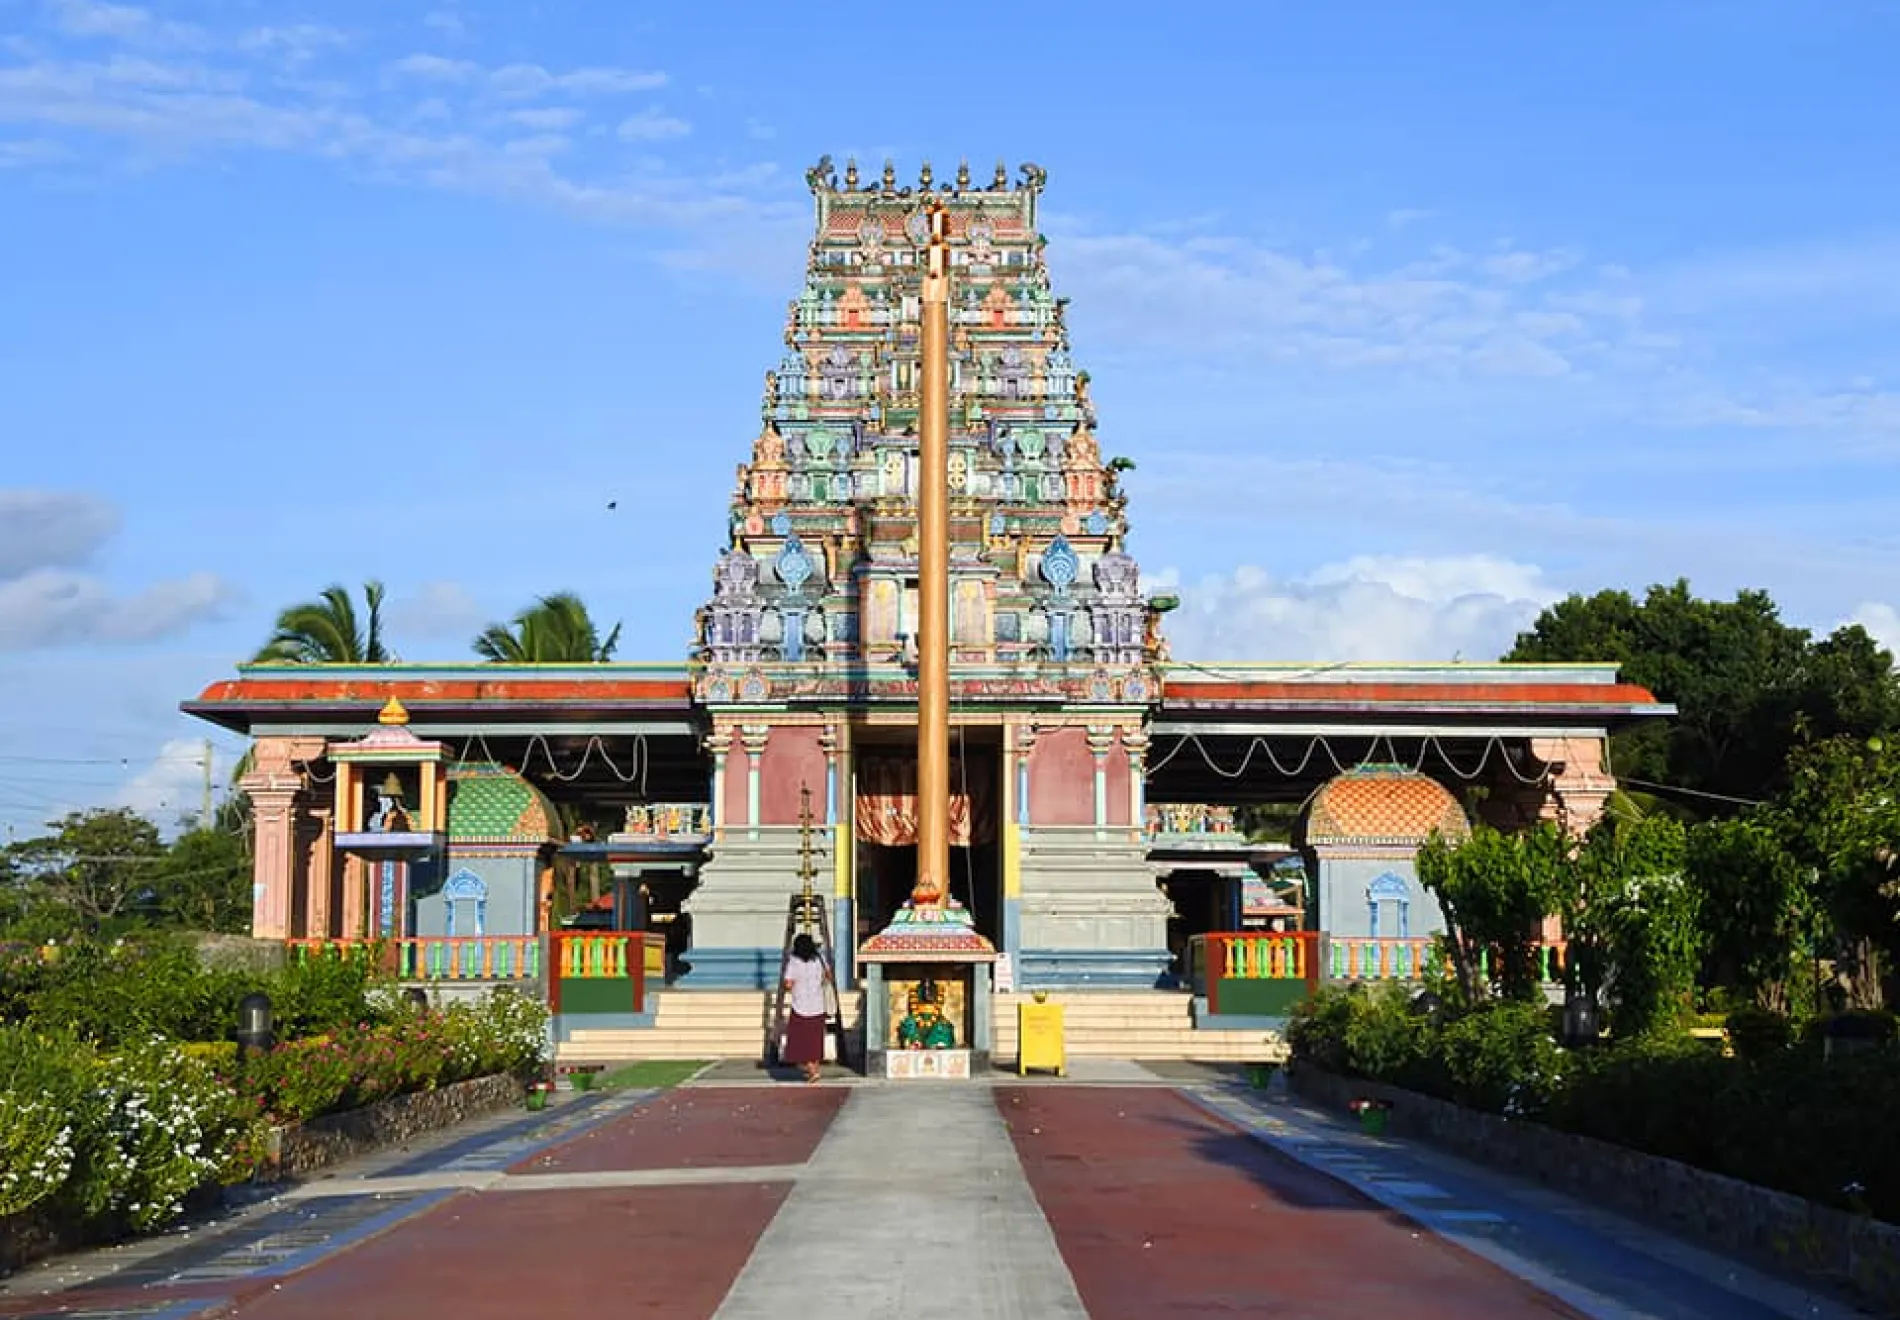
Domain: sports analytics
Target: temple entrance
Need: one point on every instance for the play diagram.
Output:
(886, 820)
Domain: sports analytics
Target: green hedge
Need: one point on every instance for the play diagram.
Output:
(1775, 1115)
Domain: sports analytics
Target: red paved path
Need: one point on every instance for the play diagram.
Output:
(1162, 1210)
(741, 1127)
(646, 1251)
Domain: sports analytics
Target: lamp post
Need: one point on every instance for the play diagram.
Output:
(256, 1029)
(1581, 1025)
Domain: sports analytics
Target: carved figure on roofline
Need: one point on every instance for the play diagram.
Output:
(821, 177)
(1034, 177)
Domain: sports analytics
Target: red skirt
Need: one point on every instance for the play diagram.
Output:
(804, 1039)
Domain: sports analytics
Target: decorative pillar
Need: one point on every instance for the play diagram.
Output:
(718, 744)
(273, 816)
(840, 827)
(1577, 788)
(318, 894)
(1135, 743)
(752, 737)
(1101, 742)
(1025, 744)
(273, 787)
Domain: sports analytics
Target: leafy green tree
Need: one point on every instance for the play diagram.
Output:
(328, 631)
(556, 629)
(96, 868)
(1495, 890)
(1617, 892)
(1841, 816)
(1756, 910)
(204, 882)
(1747, 685)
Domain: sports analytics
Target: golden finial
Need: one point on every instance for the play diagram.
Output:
(1002, 177)
(890, 176)
(924, 178)
(851, 174)
(963, 175)
(393, 712)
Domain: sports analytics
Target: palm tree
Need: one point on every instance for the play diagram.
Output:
(325, 631)
(554, 630)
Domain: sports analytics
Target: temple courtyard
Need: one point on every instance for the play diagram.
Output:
(1124, 1190)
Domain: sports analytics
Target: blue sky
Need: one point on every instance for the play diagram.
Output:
(1413, 317)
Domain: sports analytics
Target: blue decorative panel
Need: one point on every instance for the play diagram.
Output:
(1060, 565)
(795, 566)
(781, 524)
(1009, 627)
(1098, 523)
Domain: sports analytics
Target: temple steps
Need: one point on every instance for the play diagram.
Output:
(1116, 1024)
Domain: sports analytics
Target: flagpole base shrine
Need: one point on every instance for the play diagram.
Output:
(1093, 782)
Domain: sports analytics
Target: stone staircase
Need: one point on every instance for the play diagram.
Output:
(692, 1024)
(1110, 1024)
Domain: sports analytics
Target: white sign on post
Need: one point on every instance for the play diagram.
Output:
(1004, 974)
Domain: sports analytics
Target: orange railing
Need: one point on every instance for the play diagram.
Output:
(600, 958)
(1251, 956)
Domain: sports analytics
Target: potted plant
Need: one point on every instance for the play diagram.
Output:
(538, 1095)
(1371, 1114)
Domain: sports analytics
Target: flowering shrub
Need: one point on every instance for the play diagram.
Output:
(116, 1137)
(40, 1079)
(150, 1131)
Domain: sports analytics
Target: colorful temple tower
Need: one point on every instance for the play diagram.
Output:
(805, 662)
(1095, 786)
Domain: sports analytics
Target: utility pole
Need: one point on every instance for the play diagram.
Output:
(204, 808)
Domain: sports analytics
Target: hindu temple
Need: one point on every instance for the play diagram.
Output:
(1098, 789)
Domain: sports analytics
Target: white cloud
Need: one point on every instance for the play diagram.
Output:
(51, 529)
(524, 80)
(436, 68)
(1369, 608)
(173, 785)
(1453, 314)
(1882, 622)
(448, 23)
(296, 42)
(122, 23)
(653, 126)
(436, 609)
(55, 607)
(549, 119)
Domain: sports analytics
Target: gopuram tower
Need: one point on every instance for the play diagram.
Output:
(805, 659)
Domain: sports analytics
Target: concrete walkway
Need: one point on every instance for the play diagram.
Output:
(915, 1205)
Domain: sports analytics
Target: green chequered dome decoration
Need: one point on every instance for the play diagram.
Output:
(489, 803)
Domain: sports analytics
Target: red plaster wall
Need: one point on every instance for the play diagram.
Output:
(1062, 779)
(1117, 777)
(793, 758)
(738, 765)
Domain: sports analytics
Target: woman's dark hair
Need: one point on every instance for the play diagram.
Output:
(804, 948)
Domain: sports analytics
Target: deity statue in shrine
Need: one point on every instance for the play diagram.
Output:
(925, 1027)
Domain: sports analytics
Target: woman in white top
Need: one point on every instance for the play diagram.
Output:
(805, 1023)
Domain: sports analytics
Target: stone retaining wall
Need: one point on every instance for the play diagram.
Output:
(294, 1151)
(1851, 1253)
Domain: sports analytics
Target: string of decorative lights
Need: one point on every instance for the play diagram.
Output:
(1317, 743)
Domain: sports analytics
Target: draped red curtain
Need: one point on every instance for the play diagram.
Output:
(886, 810)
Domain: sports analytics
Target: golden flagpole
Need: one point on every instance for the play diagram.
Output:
(933, 574)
